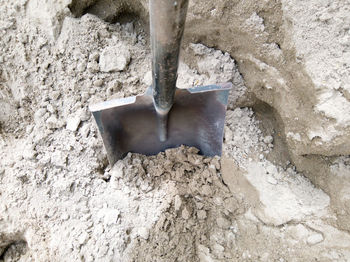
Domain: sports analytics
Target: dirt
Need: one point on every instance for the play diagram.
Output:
(61, 201)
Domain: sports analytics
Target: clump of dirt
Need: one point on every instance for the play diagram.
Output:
(14, 251)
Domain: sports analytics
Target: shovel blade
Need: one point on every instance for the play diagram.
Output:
(196, 119)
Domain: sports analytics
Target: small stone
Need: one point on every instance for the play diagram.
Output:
(218, 201)
(109, 216)
(98, 82)
(117, 170)
(40, 112)
(85, 130)
(147, 79)
(186, 214)
(314, 239)
(231, 204)
(143, 232)
(228, 134)
(51, 109)
(29, 153)
(216, 163)
(199, 205)
(218, 248)
(81, 66)
(73, 123)
(64, 216)
(177, 203)
(206, 190)
(83, 238)
(201, 214)
(268, 139)
(54, 95)
(93, 67)
(83, 114)
(114, 59)
(271, 180)
(223, 223)
(52, 122)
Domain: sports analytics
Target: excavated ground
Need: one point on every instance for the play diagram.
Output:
(60, 201)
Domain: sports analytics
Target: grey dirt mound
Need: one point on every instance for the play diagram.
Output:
(61, 201)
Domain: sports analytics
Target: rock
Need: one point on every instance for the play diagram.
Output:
(223, 222)
(217, 248)
(114, 59)
(48, 15)
(302, 197)
(83, 238)
(39, 113)
(231, 204)
(29, 152)
(201, 214)
(186, 213)
(177, 203)
(268, 139)
(98, 82)
(64, 216)
(206, 190)
(52, 122)
(314, 239)
(298, 232)
(109, 216)
(143, 232)
(271, 180)
(73, 123)
(59, 159)
(147, 79)
(117, 170)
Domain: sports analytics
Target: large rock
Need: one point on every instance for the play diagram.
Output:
(48, 15)
(277, 196)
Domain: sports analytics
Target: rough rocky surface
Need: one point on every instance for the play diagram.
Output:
(59, 199)
(293, 57)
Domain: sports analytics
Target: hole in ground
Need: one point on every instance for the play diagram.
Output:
(112, 11)
(126, 12)
(13, 251)
(271, 123)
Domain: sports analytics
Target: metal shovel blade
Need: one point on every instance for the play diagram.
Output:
(196, 119)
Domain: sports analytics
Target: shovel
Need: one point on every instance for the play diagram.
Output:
(164, 116)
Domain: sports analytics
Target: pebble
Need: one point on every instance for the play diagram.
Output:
(218, 248)
(81, 66)
(271, 180)
(201, 214)
(314, 239)
(64, 216)
(52, 122)
(40, 112)
(54, 95)
(147, 79)
(83, 238)
(186, 214)
(223, 223)
(114, 59)
(206, 190)
(73, 123)
(143, 232)
(268, 139)
(177, 203)
(98, 82)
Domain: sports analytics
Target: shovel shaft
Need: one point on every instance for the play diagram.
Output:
(167, 22)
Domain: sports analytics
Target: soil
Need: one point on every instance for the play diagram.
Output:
(61, 201)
